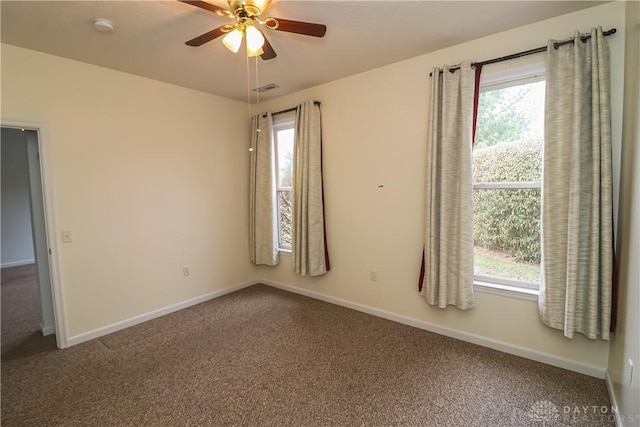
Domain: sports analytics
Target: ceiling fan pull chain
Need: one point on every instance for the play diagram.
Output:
(248, 88)
(257, 83)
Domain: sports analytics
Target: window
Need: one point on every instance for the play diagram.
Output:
(283, 137)
(507, 175)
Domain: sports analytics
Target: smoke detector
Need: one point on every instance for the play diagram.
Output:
(103, 25)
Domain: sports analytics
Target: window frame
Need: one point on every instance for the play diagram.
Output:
(281, 122)
(520, 289)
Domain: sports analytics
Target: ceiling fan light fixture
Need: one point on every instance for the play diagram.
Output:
(233, 40)
(255, 39)
(251, 52)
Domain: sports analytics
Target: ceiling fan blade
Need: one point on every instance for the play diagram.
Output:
(206, 37)
(299, 27)
(269, 53)
(204, 5)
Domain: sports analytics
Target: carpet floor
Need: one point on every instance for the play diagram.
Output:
(265, 357)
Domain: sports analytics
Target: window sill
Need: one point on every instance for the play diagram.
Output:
(285, 251)
(506, 291)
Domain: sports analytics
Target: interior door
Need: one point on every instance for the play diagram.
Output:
(38, 225)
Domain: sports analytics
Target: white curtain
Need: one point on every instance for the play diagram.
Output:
(309, 242)
(263, 223)
(577, 235)
(448, 234)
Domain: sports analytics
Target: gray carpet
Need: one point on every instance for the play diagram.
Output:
(265, 357)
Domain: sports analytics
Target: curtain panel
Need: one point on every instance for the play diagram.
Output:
(577, 229)
(309, 231)
(263, 222)
(447, 276)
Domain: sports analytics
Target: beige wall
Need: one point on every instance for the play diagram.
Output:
(147, 176)
(374, 134)
(625, 344)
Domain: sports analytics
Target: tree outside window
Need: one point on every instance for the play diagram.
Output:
(284, 142)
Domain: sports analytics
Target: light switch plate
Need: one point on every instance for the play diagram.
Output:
(66, 237)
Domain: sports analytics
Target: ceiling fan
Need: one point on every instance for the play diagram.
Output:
(246, 14)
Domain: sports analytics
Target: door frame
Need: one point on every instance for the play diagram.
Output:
(59, 312)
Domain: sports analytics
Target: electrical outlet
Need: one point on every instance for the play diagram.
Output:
(373, 276)
(186, 270)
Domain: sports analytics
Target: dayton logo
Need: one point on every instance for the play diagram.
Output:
(543, 411)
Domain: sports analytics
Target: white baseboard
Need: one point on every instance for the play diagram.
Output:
(550, 359)
(612, 398)
(47, 330)
(105, 330)
(17, 263)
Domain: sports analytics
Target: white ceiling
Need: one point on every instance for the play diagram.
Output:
(361, 35)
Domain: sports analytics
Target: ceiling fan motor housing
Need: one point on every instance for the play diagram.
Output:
(253, 7)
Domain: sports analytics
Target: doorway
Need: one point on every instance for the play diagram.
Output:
(27, 297)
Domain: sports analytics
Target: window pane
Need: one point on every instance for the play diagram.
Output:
(285, 208)
(284, 140)
(508, 145)
(506, 225)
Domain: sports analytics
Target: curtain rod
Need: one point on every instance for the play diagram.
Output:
(584, 37)
(288, 110)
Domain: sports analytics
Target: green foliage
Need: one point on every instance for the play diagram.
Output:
(285, 204)
(286, 170)
(508, 220)
(501, 117)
